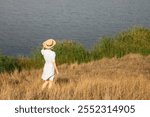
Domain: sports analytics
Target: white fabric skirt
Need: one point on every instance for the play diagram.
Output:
(48, 72)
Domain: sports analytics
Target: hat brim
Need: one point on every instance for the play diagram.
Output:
(45, 45)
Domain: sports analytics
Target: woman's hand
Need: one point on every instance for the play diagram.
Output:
(57, 72)
(55, 68)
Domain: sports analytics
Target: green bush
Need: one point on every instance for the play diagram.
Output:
(135, 40)
(9, 64)
(37, 60)
(103, 48)
(70, 52)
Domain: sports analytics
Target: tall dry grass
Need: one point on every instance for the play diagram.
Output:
(126, 78)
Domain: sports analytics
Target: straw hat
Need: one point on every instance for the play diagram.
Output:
(49, 43)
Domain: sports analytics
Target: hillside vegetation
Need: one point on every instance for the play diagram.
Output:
(126, 78)
(114, 68)
(134, 40)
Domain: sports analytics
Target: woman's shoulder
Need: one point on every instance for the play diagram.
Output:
(47, 51)
(42, 51)
(53, 52)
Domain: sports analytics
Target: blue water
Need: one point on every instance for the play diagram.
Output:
(24, 24)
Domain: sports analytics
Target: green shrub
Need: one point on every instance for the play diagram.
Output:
(103, 48)
(70, 52)
(9, 64)
(37, 60)
(135, 40)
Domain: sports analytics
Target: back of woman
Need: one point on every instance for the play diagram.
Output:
(50, 65)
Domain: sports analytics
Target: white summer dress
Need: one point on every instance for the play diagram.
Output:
(48, 70)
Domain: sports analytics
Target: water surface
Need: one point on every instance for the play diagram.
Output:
(24, 24)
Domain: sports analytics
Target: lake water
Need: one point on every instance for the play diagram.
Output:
(24, 24)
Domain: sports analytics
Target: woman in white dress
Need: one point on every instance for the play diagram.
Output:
(50, 65)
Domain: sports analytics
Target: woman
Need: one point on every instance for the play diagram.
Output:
(50, 65)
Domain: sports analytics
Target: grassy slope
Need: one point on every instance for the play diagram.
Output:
(134, 40)
(124, 78)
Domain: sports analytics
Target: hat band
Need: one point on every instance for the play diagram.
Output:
(50, 44)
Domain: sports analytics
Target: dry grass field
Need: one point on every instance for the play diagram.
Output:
(126, 78)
